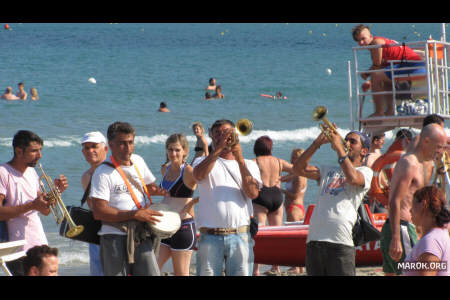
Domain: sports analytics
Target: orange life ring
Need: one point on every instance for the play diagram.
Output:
(384, 163)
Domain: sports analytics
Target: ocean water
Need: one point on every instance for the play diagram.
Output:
(136, 66)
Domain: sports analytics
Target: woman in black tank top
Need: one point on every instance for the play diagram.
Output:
(178, 179)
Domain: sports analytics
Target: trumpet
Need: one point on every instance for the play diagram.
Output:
(243, 127)
(441, 172)
(58, 208)
(319, 114)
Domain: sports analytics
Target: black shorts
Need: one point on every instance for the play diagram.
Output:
(329, 259)
(185, 238)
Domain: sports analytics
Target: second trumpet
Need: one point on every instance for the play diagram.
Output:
(319, 114)
(58, 208)
(243, 127)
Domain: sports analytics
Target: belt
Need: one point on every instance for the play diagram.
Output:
(225, 231)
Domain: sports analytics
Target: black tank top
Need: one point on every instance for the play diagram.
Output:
(177, 189)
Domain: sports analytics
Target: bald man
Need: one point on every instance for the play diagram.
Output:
(398, 233)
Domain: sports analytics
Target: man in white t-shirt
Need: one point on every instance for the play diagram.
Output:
(20, 197)
(329, 246)
(227, 182)
(94, 149)
(113, 204)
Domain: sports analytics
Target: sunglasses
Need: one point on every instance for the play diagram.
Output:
(352, 141)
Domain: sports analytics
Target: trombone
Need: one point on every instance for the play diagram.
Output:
(58, 208)
(319, 114)
(243, 127)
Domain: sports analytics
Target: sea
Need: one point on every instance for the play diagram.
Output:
(137, 66)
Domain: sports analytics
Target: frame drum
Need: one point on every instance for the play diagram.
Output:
(169, 222)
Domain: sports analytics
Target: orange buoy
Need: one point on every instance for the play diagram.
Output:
(7, 27)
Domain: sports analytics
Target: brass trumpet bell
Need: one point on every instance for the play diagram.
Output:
(243, 127)
(319, 114)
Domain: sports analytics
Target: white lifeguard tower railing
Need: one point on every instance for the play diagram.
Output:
(422, 92)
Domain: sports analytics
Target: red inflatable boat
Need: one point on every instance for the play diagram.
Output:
(286, 245)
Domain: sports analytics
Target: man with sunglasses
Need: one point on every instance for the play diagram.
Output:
(330, 249)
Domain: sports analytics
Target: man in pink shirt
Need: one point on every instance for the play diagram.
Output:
(20, 196)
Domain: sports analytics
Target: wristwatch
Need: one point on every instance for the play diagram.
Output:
(341, 159)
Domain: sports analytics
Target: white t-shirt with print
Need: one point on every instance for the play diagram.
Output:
(335, 212)
(222, 204)
(107, 184)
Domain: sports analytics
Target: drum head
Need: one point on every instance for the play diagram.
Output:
(169, 223)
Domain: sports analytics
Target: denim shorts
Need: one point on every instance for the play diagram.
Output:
(95, 263)
(233, 250)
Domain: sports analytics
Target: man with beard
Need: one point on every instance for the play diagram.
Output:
(20, 195)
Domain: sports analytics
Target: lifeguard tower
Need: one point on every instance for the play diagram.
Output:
(423, 91)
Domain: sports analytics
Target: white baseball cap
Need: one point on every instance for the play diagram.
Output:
(93, 137)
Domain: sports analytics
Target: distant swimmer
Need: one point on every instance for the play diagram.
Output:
(21, 93)
(8, 95)
(163, 107)
(34, 94)
(218, 94)
(279, 95)
(212, 85)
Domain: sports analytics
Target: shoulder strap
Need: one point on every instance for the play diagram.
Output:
(122, 174)
(234, 178)
(86, 192)
(279, 164)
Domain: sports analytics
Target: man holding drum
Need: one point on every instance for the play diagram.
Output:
(118, 194)
(227, 182)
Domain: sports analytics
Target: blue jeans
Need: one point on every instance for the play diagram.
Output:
(236, 250)
(95, 263)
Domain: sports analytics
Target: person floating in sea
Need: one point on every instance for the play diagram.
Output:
(278, 95)
(381, 81)
(8, 95)
(218, 94)
(34, 94)
(163, 107)
(21, 93)
(212, 85)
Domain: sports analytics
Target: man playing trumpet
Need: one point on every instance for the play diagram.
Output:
(330, 249)
(20, 195)
(227, 182)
